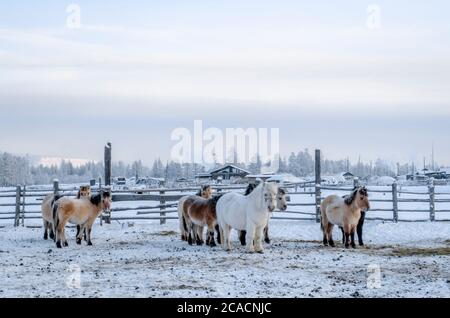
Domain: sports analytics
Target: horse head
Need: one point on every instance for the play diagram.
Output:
(270, 193)
(106, 199)
(360, 197)
(281, 200)
(205, 192)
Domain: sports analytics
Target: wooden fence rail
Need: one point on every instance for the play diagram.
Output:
(166, 202)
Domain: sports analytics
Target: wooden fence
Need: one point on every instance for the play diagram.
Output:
(25, 202)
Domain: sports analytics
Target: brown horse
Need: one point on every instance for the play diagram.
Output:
(344, 212)
(198, 213)
(78, 211)
(206, 193)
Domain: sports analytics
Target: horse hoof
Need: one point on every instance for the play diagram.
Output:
(332, 244)
(66, 244)
(78, 241)
(267, 241)
(52, 236)
(89, 243)
(347, 246)
(361, 244)
(58, 244)
(45, 237)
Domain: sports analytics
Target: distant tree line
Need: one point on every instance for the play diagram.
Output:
(18, 169)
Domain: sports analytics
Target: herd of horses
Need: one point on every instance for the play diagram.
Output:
(249, 213)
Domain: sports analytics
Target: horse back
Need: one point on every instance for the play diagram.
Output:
(332, 208)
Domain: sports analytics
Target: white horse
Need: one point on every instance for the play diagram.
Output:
(250, 213)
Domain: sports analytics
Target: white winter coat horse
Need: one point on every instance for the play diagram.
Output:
(249, 213)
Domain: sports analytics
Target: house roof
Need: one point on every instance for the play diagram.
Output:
(203, 175)
(227, 166)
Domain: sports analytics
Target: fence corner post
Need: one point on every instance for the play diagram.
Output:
(162, 203)
(17, 215)
(395, 201)
(318, 182)
(431, 190)
(55, 186)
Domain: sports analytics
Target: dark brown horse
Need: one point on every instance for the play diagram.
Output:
(198, 213)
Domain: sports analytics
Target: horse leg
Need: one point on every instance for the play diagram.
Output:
(266, 234)
(352, 236)
(324, 228)
(60, 229)
(198, 232)
(81, 231)
(329, 234)
(219, 241)
(226, 237)
(250, 237)
(359, 229)
(45, 230)
(50, 229)
(88, 230)
(242, 235)
(347, 240)
(258, 240)
(211, 241)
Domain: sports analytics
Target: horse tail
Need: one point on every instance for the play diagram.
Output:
(55, 214)
(185, 224)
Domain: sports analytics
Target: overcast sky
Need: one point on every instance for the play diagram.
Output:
(136, 70)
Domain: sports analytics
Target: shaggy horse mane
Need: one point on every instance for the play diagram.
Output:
(97, 198)
(250, 189)
(348, 199)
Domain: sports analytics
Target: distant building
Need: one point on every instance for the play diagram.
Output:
(203, 178)
(228, 172)
(348, 176)
(254, 178)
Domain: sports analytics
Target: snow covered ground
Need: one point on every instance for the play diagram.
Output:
(149, 260)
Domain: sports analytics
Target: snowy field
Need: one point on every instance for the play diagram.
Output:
(149, 260)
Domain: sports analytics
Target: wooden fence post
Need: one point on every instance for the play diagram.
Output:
(162, 202)
(432, 201)
(55, 187)
(395, 201)
(23, 205)
(318, 180)
(17, 216)
(108, 166)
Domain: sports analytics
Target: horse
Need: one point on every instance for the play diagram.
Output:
(204, 192)
(250, 213)
(81, 212)
(47, 208)
(47, 214)
(344, 212)
(281, 205)
(199, 212)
